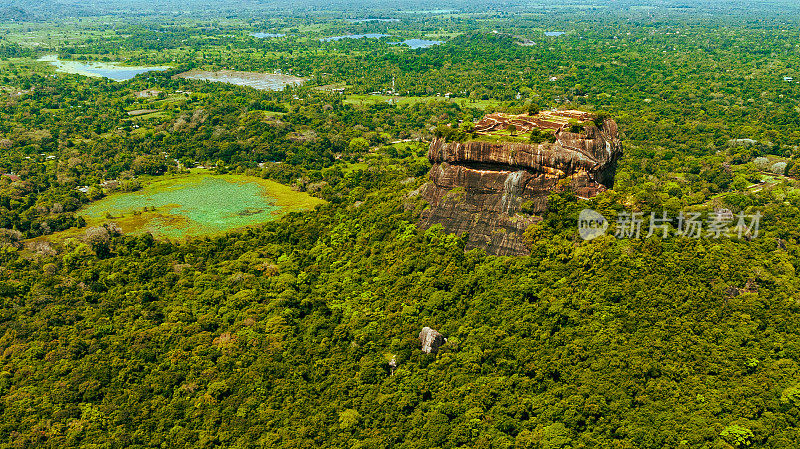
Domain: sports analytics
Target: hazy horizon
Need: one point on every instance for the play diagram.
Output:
(27, 10)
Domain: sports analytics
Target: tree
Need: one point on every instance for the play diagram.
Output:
(149, 164)
(349, 418)
(95, 193)
(10, 237)
(99, 238)
(737, 435)
(358, 145)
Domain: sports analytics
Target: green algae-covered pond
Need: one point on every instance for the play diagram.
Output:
(198, 204)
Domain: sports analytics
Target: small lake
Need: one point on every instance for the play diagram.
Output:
(354, 36)
(111, 70)
(372, 20)
(260, 81)
(431, 11)
(420, 43)
(267, 35)
(198, 205)
(554, 33)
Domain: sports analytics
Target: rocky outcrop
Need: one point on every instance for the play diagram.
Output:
(481, 187)
(431, 340)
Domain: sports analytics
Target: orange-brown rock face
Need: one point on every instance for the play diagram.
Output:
(479, 187)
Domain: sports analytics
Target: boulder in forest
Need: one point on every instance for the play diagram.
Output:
(431, 340)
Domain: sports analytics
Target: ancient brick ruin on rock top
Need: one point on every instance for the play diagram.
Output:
(495, 184)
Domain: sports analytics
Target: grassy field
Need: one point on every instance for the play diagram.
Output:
(378, 156)
(504, 136)
(192, 205)
(349, 167)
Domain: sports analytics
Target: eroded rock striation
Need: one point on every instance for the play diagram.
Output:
(481, 186)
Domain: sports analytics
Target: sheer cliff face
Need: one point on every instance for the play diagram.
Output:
(479, 187)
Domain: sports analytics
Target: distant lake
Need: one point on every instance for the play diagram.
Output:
(267, 35)
(432, 11)
(111, 70)
(354, 36)
(420, 43)
(554, 33)
(261, 81)
(372, 20)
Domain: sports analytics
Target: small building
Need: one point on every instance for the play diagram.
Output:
(788, 79)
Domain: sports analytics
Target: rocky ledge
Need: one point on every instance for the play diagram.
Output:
(494, 185)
